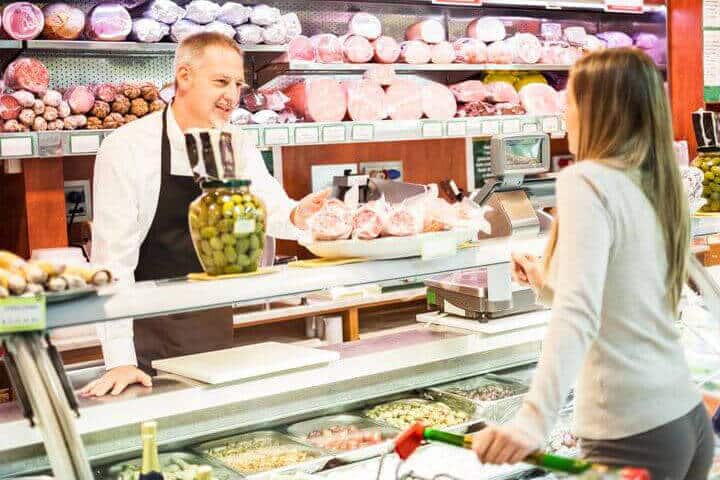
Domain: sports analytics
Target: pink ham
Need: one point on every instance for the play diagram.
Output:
(328, 48)
(23, 21)
(486, 29)
(403, 100)
(80, 98)
(27, 74)
(365, 25)
(502, 92)
(500, 52)
(382, 74)
(527, 48)
(540, 99)
(429, 31)
(334, 221)
(368, 221)
(105, 92)
(403, 221)
(10, 108)
(438, 102)
(318, 100)
(301, 48)
(469, 50)
(387, 50)
(470, 91)
(415, 52)
(365, 100)
(442, 53)
(358, 49)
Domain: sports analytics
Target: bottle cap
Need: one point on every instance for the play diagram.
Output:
(148, 428)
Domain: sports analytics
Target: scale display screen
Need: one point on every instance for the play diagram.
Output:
(520, 154)
(523, 153)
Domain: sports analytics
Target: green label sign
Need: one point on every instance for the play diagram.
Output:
(22, 314)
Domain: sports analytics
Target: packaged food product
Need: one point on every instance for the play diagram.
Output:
(165, 11)
(109, 22)
(202, 11)
(175, 466)
(182, 29)
(234, 13)
(403, 413)
(63, 22)
(264, 15)
(22, 20)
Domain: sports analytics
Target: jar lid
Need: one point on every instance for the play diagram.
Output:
(240, 182)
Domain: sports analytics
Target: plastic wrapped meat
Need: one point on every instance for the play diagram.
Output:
(148, 30)
(63, 22)
(527, 48)
(318, 100)
(487, 29)
(387, 50)
(658, 55)
(403, 100)
(288, 116)
(365, 25)
(593, 43)
(575, 36)
(369, 219)
(240, 116)
(477, 109)
(264, 15)
(616, 39)
(438, 101)
(265, 117)
(328, 48)
(108, 22)
(219, 27)
(165, 11)
(292, 24)
(429, 31)
(382, 74)
(333, 222)
(646, 41)
(23, 20)
(275, 34)
(502, 92)
(302, 49)
(202, 11)
(439, 215)
(539, 99)
(551, 32)
(254, 101)
(500, 52)
(415, 52)
(470, 50)
(365, 100)
(276, 101)
(403, 221)
(182, 29)
(234, 13)
(442, 53)
(27, 74)
(249, 34)
(25, 98)
(10, 108)
(469, 91)
(510, 109)
(358, 49)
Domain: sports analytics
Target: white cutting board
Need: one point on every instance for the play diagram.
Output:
(494, 326)
(243, 363)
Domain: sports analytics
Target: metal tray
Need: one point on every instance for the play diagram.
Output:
(303, 429)
(67, 295)
(317, 460)
(498, 411)
(112, 471)
(455, 402)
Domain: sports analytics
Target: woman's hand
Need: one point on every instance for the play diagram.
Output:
(528, 270)
(502, 444)
(309, 206)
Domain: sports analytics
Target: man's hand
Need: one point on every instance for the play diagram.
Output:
(502, 445)
(528, 270)
(309, 206)
(115, 381)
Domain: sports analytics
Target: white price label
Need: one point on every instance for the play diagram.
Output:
(456, 129)
(438, 246)
(277, 136)
(254, 135)
(624, 6)
(511, 126)
(84, 143)
(432, 129)
(530, 128)
(16, 147)
(491, 128)
(550, 124)
(22, 314)
(307, 135)
(363, 132)
(334, 133)
(244, 226)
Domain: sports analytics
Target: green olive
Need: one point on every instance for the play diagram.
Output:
(230, 254)
(237, 199)
(232, 269)
(243, 260)
(242, 245)
(250, 268)
(205, 247)
(247, 198)
(254, 255)
(227, 209)
(219, 259)
(254, 243)
(715, 206)
(208, 200)
(261, 240)
(713, 187)
(206, 261)
(194, 221)
(216, 244)
(709, 176)
(226, 225)
(707, 191)
(259, 227)
(227, 239)
(208, 232)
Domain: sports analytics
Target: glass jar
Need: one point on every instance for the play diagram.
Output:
(227, 226)
(709, 163)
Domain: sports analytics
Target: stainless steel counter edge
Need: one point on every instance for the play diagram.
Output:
(209, 409)
(147, 299)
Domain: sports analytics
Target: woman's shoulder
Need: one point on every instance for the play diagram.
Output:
(600, 177)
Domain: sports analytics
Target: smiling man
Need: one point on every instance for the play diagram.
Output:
(143, 185)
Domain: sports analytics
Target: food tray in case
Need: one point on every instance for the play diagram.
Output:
(464, 407)
(498, 410)
(264, 444)
(302, 430)
(116, 471)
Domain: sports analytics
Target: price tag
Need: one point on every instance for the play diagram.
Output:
(334, 133)
(22, 314)
(457, 129)
(550, 124)
(438, 246)
(624, 6)
(491, 128)
(16, 146)
(530, 128)
(511, 126)
(277, 136)
(363, 132)
(307, 135)
(50, 144)
(84, 143)
(254, 135)
(432, 129)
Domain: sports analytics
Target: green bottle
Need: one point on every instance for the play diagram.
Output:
(150, 461)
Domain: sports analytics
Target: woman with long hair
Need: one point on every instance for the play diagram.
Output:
(613, 272)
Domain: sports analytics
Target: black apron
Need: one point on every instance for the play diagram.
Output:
(168, 252)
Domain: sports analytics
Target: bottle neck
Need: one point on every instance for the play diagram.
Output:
(150, 458)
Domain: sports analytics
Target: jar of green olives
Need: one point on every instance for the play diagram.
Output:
(227, 225)
(709, 163)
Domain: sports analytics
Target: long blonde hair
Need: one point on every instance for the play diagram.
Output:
(624, 122)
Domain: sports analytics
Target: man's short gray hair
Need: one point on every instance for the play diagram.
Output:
(192, 47)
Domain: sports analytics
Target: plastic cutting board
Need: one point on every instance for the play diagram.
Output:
(243, 363)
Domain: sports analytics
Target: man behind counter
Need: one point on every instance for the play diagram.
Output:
(143, 185)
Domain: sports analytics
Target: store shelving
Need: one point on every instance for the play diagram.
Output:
(124, 48)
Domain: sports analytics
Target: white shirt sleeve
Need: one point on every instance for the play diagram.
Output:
(277, 203)
(580, 264)
(116, 238)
